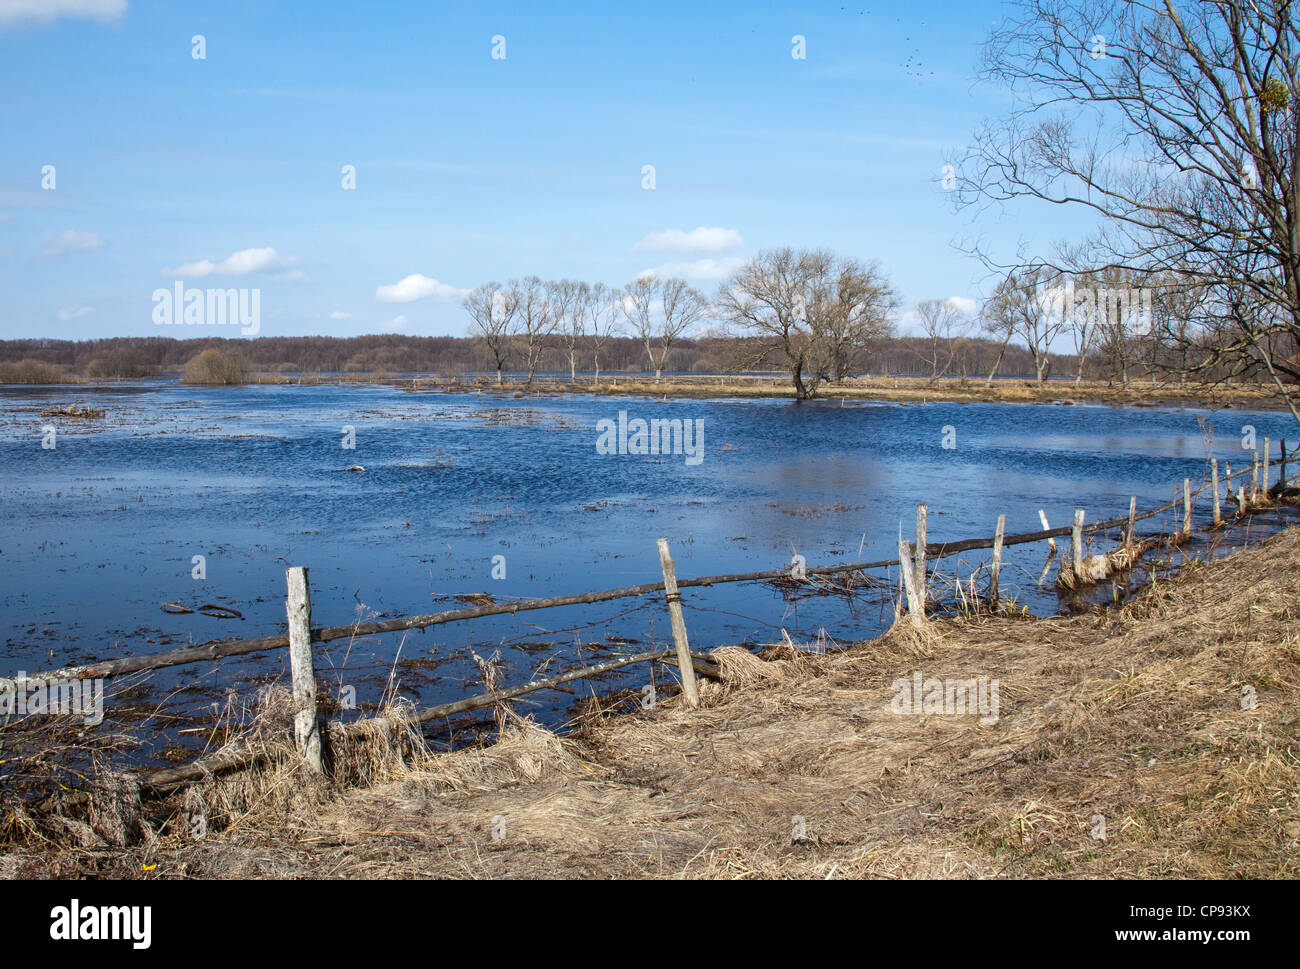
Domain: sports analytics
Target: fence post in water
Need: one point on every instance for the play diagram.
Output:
(1187, 506)
(1132, 517)
(306, 727)
(674, 597)
(1254, 479)
(906, 565)
(995, 570)
(922, 512)
(1267, 454)
(1076, 539)
(1214, 486)
(1241, 502)
(1042, 517)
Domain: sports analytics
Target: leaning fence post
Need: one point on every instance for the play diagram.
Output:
(1132, 517)
(922, 512)
(306, 727)
(674, 597)
(906, 565)
(1214, 485)
(1076, 538)
(1042, 517)
(1187, 506)
(996, 569)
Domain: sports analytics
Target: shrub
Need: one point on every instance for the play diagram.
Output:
(119, 364)
(214, 367)
(30, 372)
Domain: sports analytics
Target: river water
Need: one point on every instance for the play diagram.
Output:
(103, 527)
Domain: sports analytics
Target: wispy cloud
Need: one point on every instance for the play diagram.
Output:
(71, 242)
(20, 12)
(240, 263)
(340, 315)
(417, 286)
(702, 239)
(71, 313)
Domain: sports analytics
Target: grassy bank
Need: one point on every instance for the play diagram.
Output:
(1140, 393)
(899, 389)
(1173, 721)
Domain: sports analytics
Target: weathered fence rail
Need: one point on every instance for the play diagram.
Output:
(300, 637)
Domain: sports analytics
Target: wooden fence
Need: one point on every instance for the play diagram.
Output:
(912, 562)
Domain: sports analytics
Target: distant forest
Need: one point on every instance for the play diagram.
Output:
(130, 357)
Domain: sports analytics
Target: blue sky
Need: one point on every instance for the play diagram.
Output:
(227, 171)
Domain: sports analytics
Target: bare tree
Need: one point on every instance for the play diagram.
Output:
(1175, 124)
(602, 309)
(566, 298)
(941, 323)
(807, 312)
(534, 321)
(1022, 306)
(491, 311)
(660, 312)
(998, 318)
(854, 317)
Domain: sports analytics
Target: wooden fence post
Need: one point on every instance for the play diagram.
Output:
(1267, 456)
(1187, 506)
(1076, 539)
(1241, 502)
(674, 597)
(306, 727)
(1254, 479)
(922, 514)
(1132, 517)
(1042, 517)
(1214, 486)
(906, 565)
(996, 569)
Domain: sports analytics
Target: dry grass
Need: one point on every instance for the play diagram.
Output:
(1135, 717)
(899, 389)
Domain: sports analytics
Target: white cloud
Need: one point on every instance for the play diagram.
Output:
(707, 269)
(340, 315)
(239, 263)
(291, 276)
(48, 11)
(963, 304)
(69, 313)
(697, 240)
(396, 323)
(72, 241)
(417, 286)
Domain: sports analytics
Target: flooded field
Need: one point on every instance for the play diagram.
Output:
(177, 498)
